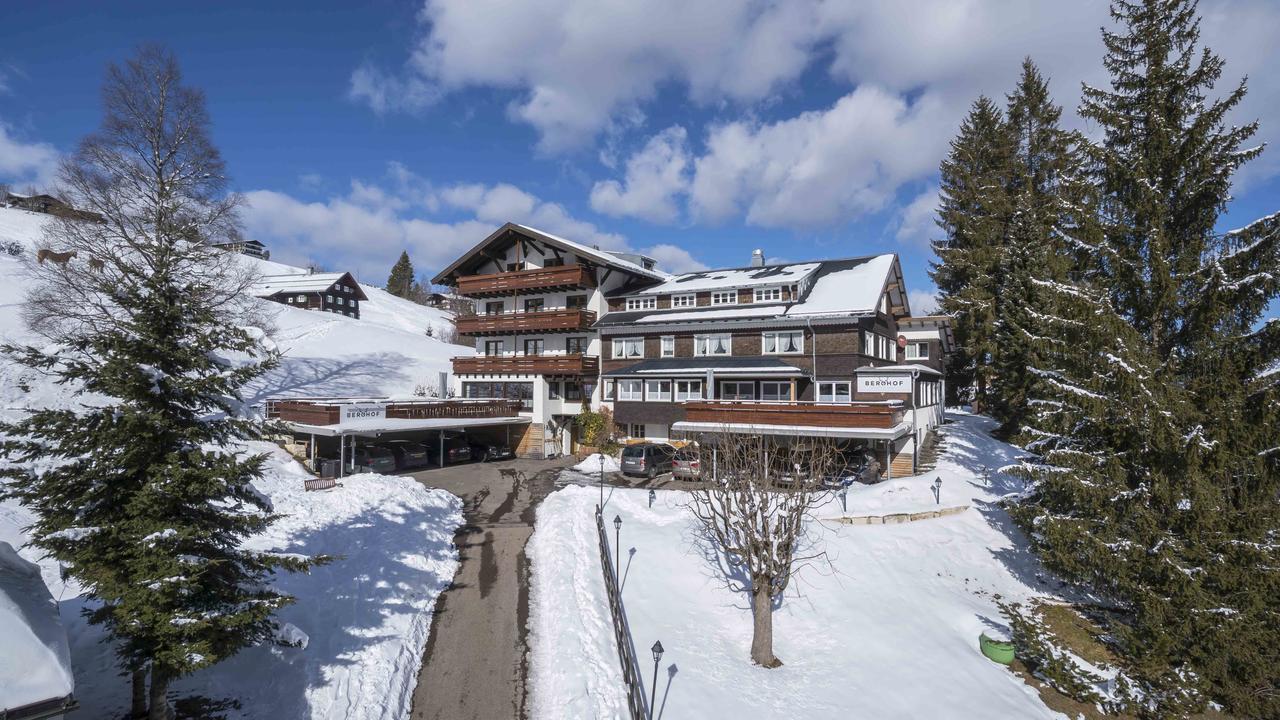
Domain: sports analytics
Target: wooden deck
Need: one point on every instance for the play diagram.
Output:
(526, 365)
(808, 414)
(519, 282)
(527, 322)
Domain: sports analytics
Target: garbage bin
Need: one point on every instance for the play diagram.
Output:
(329, 468)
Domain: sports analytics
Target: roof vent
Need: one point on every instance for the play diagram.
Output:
(757, 258)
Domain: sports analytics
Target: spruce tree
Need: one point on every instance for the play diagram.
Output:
(400, 282)
(140, 490)
(974, 212)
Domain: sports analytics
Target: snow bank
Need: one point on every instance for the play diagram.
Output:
(888, 629)
(591, 466)
(35, 664)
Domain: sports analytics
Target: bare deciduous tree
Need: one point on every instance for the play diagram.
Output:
(753, 511)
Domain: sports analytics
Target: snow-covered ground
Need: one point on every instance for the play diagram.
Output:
(888, 629)
(368, 613)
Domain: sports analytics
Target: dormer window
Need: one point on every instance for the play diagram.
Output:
(679, 301)
(642, 303)
(724, 297)
(773, 294)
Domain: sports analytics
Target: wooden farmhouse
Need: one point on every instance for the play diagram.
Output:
(327, 292)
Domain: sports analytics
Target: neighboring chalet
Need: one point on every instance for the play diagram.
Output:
(47, 204)
(537, 296)
(328, 292)
(252, 248)
(825, 348)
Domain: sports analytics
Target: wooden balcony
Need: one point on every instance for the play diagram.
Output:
(517, 323)
(520, 282)
(809, 414)
(526, 365)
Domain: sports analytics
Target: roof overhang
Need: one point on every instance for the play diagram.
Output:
(505, 233)
(374, 427)
(910, 369)
(891, 433)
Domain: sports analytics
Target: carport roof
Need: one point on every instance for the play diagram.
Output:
(892, 433)
(373, 427)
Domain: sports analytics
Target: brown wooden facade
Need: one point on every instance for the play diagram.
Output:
(573, 365)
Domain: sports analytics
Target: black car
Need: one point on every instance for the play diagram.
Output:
(408, 454)
(647, 459)
(484, 452)
(456, 449)
(373, 458)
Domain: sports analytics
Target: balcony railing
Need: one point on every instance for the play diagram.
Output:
(519, 282)
(526, 365)
(810, 414)
(526, 322)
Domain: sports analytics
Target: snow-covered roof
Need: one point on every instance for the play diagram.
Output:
(703, 280)
(591, 254)
(315, 282)
(848, 287)
(36, 663)
(903, 368)
(717, 313)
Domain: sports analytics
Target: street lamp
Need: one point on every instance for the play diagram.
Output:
(617, 549)
(653, 691)
(844, 501)
(652, 496)
(937, 491)
(602, 480)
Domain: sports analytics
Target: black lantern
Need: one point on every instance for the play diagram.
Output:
(653, 690)
(937, 491)
(653, 495)
(617, 548)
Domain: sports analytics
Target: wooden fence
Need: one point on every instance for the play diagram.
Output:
(636, 701)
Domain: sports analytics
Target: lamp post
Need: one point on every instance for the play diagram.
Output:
(652, 496)
(844, 498)
(617, 547)
(653, 691)
(937, 490)
(602, 480)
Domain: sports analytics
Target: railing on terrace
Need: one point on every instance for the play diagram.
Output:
(526, 365)
(795, 412)
(328, 411)
(636, 701)
(526, 322)
(526, 281)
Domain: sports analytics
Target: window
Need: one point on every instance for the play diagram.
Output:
(342, 301)
(642, 303)
(737, 390)
(630, 390)
(533, 347)
(918, 351)
(833, 392)
(301, 298)
(512, 267)
(668, 345)
(572, 390)
(724, 297)
(533, 304)
(713, 344)
(628, 347)
(493, 308)
(493, 347)
(684, 300)
(329, 298)
(884, 303)
(575, 345)
(657, 390)
(635, 430)
(352, 303)
(608, 390)
(775, 391)
(782, 342)
(553, 389)
(773, 294)
(553, 262)
(868, 344)
(575, 302)
(877, 346)
(688, 390)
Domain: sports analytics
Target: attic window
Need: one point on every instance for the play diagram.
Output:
(642, 303)
(773, 294)
(678, 301)
(724, 297)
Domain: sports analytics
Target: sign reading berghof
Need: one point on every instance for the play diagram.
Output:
(884, 383)
(363, 411)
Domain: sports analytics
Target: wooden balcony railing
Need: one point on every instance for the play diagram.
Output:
(526, 365)
(761, 412)
(519, 282)
(526, 322)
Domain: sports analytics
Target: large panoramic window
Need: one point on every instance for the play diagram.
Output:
(688, 390)
(721, 344)
(628, 347)
(781, 342)
(724, 297)
(833, 392)
(630, 390)
(657, 390)
(642, 303)
(775, 391)
(731, 390)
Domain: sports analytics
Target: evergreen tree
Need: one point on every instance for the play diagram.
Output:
(139, 490)
(400, 282)
(974, 213)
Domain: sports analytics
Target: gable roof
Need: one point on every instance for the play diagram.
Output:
(703, 280)
(508, 232)
(301, 283)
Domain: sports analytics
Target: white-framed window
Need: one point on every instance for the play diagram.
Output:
(628, 347)
(918, 351)
(720, 344)
(342, 300)
(689, 300)
(774, 390)
(868, 344)
(329, 298)
(657, 390)
(352, 302)
(724, 297)
(688, 390)
(773, 294)
(782, 342)
(630, 390)
(608, 390)
(300, 298)
(834, 392)
(635, 430)
(668, 344)
(642, 303)
(737, 390)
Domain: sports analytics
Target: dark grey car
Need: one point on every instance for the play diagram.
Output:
(647, 459)
(374, 458)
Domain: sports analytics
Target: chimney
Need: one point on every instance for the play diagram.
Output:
(757, 258)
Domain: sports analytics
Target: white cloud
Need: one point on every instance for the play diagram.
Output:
(24, 163)
(654, 177)
(497, 204)
(922, 302)
(917, 221)
(674, 259)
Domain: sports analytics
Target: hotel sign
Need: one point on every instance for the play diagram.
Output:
(884, 383)
(363, 411)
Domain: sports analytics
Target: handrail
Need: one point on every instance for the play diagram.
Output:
(637, 704)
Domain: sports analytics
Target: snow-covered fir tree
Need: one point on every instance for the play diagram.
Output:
(138, 490)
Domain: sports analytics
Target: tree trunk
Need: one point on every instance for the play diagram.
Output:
(762, 627)
(159, 688)
(139, 702)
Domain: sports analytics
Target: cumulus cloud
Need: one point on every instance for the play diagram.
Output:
(24, 162)
(655, 176)
(922, 302)
(917, 221)
(673, 259)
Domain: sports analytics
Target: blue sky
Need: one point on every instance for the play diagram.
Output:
(692, 131)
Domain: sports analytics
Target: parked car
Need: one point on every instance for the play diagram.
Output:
(408, 454)
(484, 452)
(373, 458)
(687, 464)
(647, 459)
(456, 449)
